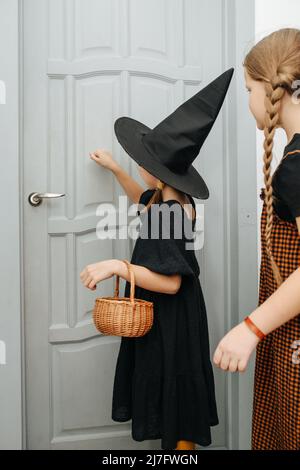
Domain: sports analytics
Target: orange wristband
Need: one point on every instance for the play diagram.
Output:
(254, 328)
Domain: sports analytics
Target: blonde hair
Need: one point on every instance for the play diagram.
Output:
(275, 60)
(157, 195)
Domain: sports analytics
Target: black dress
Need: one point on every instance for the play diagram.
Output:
(164, 380)
(286, 182)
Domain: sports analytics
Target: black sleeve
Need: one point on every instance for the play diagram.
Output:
(289, 183)
(166, 250)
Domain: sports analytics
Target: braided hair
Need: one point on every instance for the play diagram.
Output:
(275, 60)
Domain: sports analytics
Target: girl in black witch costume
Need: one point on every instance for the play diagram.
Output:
(164, 380)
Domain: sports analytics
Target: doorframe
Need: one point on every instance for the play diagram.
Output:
(240, 204)
(240, 196)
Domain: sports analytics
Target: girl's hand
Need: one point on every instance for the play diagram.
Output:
(96, 272)
(104, 158)
(234, 350)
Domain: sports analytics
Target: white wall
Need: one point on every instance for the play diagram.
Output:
(10, 238)
(271, 15)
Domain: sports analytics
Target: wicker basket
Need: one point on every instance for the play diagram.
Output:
(123, 316)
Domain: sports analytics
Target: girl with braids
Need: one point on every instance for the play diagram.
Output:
(272, 75)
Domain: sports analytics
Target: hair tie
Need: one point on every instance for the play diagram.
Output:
(160, 185)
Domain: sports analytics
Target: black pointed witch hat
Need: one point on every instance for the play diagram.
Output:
(168, 150)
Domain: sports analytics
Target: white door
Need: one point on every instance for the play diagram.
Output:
(85, 64)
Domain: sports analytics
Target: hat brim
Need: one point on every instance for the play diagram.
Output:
(129, 133)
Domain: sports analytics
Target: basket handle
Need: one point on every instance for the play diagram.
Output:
(132, 282)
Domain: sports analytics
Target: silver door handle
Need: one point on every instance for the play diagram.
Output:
(36, 198)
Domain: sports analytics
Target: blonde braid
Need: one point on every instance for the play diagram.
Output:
(157, 195)
(274, 93)
(275, 61)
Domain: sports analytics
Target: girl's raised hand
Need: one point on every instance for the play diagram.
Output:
(103, 158)
(234, 350)
(96, 272)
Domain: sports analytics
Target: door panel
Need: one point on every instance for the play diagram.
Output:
(85, 64)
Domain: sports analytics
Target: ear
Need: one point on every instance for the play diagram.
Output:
(298, 223)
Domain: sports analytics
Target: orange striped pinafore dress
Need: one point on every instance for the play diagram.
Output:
(276, 399)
